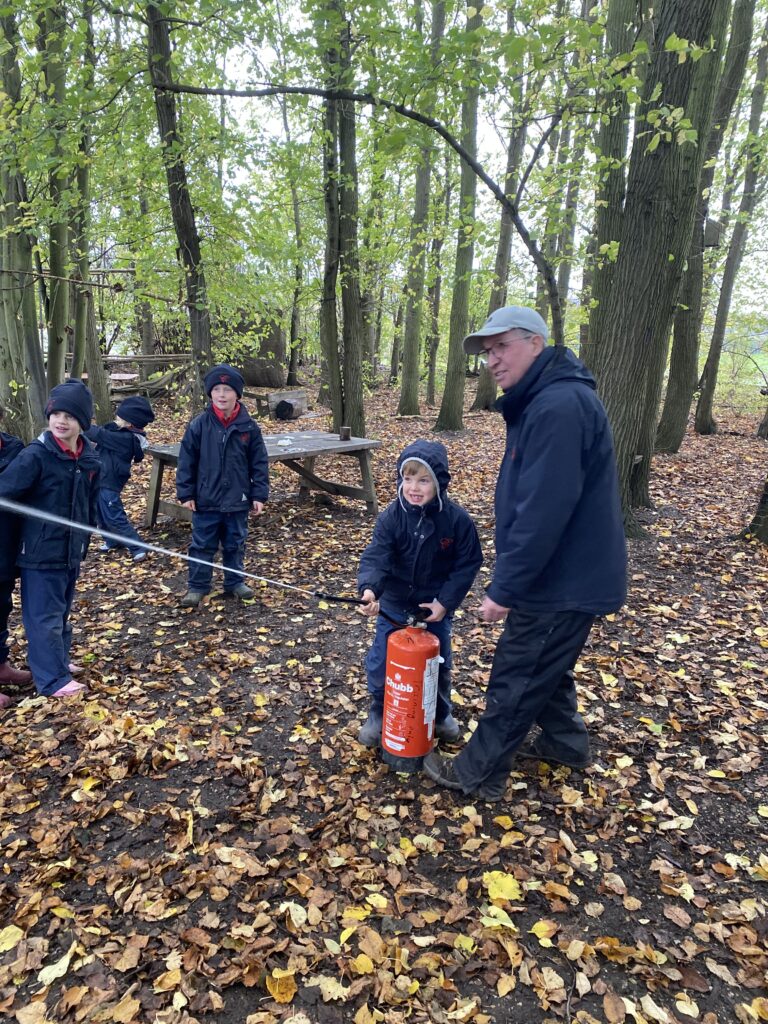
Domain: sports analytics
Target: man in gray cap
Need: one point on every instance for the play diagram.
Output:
(560, 554)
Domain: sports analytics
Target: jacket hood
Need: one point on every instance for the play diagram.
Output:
(434, 456)
(555, 365)
(87, 454)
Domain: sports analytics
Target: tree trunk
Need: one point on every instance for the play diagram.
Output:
(52, 25)
(762, 430)
(485, 396)
(349, 261)
(13, 194)
(434, 292)
(759, 525)
(82, 216)
(182, 211)
(397, 334)
(612, 142)
(630, 325)
(684, 361)
(329, 328)
(298, 266)
(98, 376)
(705, 421)
(451, 415)
(414, 288)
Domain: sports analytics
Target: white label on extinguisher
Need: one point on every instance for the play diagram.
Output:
(429, 691)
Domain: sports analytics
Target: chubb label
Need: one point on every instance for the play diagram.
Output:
(400, 687)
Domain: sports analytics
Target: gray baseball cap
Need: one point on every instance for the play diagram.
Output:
(506, 319)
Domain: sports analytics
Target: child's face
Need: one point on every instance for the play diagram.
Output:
(224, 398)
(65, 427)
(418, 487)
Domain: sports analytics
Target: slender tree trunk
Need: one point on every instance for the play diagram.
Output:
(52, 34)
(329, 328)
(409, 393)
(705, 421)
(349, 260)
(98, 375)
(434, 293)
(485, 396)
(684, 361)
(182, 211)
(397, 336)
(82, 294)
(451, 415)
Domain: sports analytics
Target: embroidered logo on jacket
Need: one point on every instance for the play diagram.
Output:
(445, 543)
(244, 438)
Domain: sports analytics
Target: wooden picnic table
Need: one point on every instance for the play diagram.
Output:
(296, 449)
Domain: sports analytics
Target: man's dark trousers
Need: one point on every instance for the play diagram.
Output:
(209, 529)
(46, 601)
(531, 682)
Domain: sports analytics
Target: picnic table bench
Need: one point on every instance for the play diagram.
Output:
(296, 449)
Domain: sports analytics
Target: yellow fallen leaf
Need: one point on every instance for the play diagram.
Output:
(762, 810)
(281, 985)
(465, 942)
(168, 980)
(126, 1010)
(362, 964)
(544, 930)
(502, 886)
(10, 937)
(58, 970)
(505, 984)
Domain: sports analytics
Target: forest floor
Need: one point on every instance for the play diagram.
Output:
(201, 838)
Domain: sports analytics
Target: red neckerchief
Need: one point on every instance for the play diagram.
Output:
(68, 451)
(226, 420)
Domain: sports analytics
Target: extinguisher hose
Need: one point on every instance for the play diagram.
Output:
(34, 513)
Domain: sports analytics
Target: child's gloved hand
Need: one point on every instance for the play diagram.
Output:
(371, 606)
(437, 611)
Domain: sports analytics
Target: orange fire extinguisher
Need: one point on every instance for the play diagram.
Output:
(410, 697)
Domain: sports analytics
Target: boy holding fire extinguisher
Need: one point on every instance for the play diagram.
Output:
(423, 558)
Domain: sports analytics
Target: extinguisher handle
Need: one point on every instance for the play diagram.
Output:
(335, 597)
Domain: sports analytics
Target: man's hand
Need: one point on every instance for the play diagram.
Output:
(190, 504)
(371, 606)
(437, 611)
(492, 612)
(258, 507)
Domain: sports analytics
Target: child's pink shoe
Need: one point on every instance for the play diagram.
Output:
(5, 700)
(69, 689)
(76, 670)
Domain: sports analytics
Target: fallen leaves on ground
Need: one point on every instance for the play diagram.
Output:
(202, 838)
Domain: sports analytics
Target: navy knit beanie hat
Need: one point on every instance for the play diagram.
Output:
(224, 374)
(73, 397)
(136, 410)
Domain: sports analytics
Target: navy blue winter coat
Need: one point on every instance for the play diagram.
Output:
(559, 530)
(418, 555)
(46, 478)
(222, 469)
(10, 525)
(118, 448)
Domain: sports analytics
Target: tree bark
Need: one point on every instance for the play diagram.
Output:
(52, 32)
(329, 327)
(414, 288)
(629, 329)
(684, 360)
(759, 525)
(182, 211)
(349, 259)
(451, 415)
(612, 143)
(705, 421)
